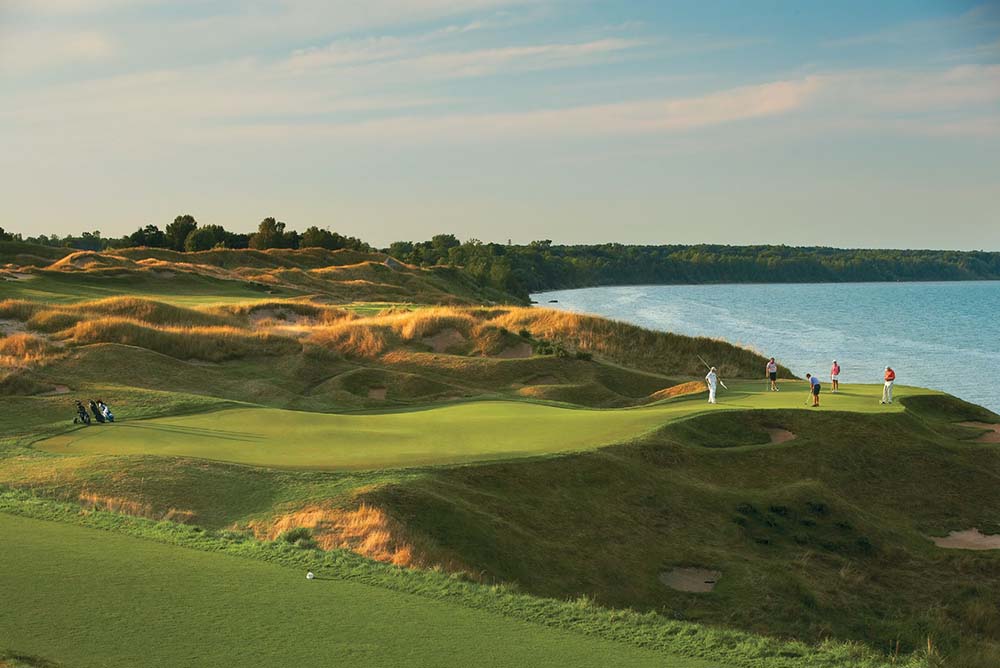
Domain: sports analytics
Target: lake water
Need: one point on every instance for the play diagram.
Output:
(940, 335)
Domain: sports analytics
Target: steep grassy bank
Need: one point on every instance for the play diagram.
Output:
(825, 535)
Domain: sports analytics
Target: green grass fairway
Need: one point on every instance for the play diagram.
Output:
(88, 598)
(453, 434)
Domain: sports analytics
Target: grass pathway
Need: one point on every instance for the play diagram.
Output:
(457, 433)
(88, 598)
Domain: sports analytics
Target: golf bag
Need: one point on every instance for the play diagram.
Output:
(81, 415)
(106, 412)
(96, 411)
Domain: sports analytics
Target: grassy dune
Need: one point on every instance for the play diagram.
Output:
(219, 276)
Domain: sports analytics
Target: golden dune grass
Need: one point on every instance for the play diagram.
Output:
(18, 309)
(23, 349)
(684, 389)
(213, 344)
(115, 504)
(353, 338)
(367, 530)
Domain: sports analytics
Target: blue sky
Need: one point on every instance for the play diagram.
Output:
(846, 124)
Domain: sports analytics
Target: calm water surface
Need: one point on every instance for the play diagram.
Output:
(940, 335)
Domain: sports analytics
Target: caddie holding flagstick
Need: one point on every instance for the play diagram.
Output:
(712, 380)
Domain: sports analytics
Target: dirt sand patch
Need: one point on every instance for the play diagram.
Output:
(697, 580)
(444, 340)
(515, 352)
(58, 389)
(276, 317)
(693, 387)
(970, 539)
(8, 327)
(991, 436)
(377, 393)
(779, 435)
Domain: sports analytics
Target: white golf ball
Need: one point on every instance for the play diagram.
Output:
(309, 575)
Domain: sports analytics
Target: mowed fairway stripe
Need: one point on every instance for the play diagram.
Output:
(84, 597)
(459, 433)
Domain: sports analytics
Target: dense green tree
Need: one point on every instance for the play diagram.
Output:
(314, 237)
(178, 231)
(205, 238)
(5, 236)
(150, 236)
(270, 234)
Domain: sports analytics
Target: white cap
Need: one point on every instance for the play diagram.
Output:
(834, 361)
(887, 368)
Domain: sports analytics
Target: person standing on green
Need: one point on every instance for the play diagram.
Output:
(772, 374)
(813, 388)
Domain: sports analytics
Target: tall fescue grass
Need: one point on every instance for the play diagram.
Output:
(635, 346)
(18, 309)
(212, 344)
(353, 338)
(54, 317)
(270, 313)
(489, 332)
(116, 504)
(365, 529)
(22, 349)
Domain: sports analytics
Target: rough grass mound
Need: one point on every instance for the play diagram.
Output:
(51, 318)
(634, 346)
(22, 349)
(212, 344)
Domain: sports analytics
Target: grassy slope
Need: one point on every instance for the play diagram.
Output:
(91, 598)
(461, 433)
(825, 535)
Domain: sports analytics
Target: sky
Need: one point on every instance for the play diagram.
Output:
(851, 124)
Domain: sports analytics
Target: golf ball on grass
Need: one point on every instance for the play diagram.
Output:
(309, 575)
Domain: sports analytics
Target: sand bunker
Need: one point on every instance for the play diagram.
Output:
(991, 436)
(779, 435)
(444, 340)
(970, 539)
(515, 352)
(697, 580)
(377, 393)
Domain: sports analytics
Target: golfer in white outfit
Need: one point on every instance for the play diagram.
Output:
(712, 380)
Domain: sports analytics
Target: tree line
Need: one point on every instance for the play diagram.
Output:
(541, 265)
(184, 234)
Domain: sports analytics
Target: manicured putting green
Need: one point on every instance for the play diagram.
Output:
(86, 598)
(452, 434)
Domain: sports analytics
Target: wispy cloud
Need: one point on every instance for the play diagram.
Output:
(27, 52)
(979, 23)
